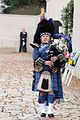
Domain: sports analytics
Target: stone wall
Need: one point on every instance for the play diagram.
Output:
(10, 27)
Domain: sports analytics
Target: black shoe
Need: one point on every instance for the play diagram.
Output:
(43, 115)
(50, 115)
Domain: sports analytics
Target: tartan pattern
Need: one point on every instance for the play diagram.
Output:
(56, 83)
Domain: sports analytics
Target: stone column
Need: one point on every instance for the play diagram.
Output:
(76, 25)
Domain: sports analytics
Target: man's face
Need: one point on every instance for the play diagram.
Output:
(45, 38)
(23, 29)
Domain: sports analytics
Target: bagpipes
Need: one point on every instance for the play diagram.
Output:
(53, 50)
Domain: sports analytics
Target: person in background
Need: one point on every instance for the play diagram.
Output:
(23, 41)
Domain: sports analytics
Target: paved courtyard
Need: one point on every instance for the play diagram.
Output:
(18, 102)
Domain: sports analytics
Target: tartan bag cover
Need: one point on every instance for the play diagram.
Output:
(45, 82)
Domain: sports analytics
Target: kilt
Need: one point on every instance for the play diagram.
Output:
(56, 83)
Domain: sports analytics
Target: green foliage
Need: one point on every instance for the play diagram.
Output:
(67, 17)
(26, 10)
(18, 3)
(25, 6)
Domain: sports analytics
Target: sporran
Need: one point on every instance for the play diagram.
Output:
(45, 82)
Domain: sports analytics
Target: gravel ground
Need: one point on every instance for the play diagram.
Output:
(18, 102)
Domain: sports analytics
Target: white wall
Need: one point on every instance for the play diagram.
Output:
(10, 27)
(54, 8)
(76, 25)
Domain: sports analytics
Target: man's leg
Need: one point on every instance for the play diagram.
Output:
(25, 47)
(41, 100)
(20, 47)
(51, 99)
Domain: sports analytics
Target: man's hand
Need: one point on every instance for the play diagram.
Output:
(49, 63)
(54, 58)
